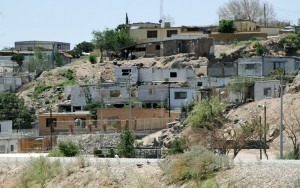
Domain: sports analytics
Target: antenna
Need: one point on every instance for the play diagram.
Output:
(161, 21)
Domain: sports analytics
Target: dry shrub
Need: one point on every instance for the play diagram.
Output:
(38, 171)
(196, 165)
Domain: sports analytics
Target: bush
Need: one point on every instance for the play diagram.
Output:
(207, 114)
(55, 153)
(68, 148)
(226, 26)
(39, 171)
(68, 73)
(39, 89)
(290, 155)
(126, 144)
(93, 59)
(196, 165)
(178, 145)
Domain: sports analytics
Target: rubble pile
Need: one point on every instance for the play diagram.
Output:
(89, 142)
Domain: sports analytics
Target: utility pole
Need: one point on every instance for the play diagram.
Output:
(129, 101)
(260, 152)
(51, 126)
(281, 118)
(265, 130)
(265, 17)
(101, 101)
(169, 105)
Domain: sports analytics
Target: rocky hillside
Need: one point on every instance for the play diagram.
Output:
(86, 73)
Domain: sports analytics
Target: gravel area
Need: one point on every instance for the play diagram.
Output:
(123, 172)
(264, 173)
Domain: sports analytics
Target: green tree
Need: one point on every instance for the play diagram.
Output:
(92, 106)
(126, 144)
(59, 59)
(19, 58)
(260, 49)
(226, 26)
(40, 61)
(13, 108)
(112, 39)
(207, 114)
(82, 47)
(290, 42)
(241, 85)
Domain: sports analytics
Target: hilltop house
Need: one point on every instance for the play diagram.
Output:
(265, 65)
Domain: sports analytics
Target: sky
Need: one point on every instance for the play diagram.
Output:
(73, 21)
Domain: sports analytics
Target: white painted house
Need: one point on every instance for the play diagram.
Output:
(148, 75)
(181, 96)
(8, 142)
(209, 82)
(153, 93)
(126, 74)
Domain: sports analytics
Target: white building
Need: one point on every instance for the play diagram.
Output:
(8, 142)
(148, 75)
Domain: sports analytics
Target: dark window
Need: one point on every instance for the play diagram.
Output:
(250, 66)
(11, 147)
(126, 72)
(152, 34)
(151, 91)
(171, 32)
(180, 95)
(199, 84)
(114, 93)
(267, 92)
(279, 64)
(173, 74)
(157, 47)
(49, 121)
(140, 49)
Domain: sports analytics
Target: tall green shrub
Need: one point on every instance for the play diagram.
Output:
(93, 58)
(68, 148)
(226, 26)
(126, 144)
(207, 113)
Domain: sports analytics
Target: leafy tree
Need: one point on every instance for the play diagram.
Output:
(207, 114)
(82, 47)
(226, 26)
(126, 144)
(40, 61)
(13, 108)
(252, 10)
(92, 106)
(240, 85)
(112, 39)
(260, 49)
(19, 58)
(59, 59)
(290, 42)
